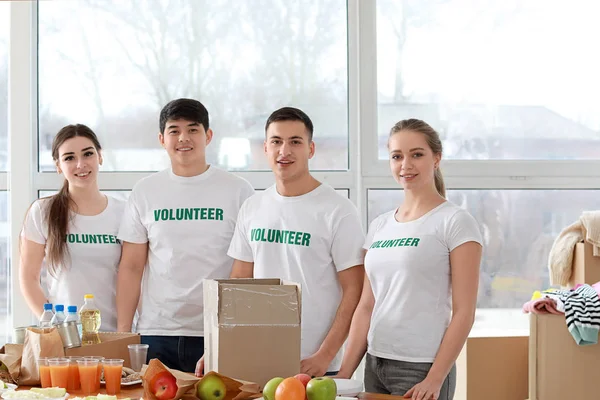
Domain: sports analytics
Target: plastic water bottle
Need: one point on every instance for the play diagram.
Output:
(46, 317)
(59, 317)
(73, 316)
(90, 321)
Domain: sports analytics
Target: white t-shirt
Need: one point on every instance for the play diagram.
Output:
(305, 239)
(93, 258)
(188, 223)
(408, 265)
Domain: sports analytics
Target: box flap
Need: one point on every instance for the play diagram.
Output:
(253, 281)
(251, 304)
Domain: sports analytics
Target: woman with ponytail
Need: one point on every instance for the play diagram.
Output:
(422, 272)
(73, 233)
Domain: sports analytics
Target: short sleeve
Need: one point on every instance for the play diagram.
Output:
(35, 227)
(348, 238)
(132, 228)
(373, 228)
(246, 192)
(462, 228)
(239, 248)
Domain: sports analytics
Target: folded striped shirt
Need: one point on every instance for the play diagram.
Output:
(582, 314)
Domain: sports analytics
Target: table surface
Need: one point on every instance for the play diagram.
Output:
(137, 391)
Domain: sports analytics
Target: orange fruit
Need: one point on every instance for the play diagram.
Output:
(290, 389)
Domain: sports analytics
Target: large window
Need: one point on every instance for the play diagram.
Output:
(498, 79)
(114, 64)
(518, 227)
(510, 85)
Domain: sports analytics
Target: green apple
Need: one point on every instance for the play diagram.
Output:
(322, 388)
(211, 387)
(271, 387)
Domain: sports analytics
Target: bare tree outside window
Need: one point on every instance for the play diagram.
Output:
(497, 79)
(114, 64)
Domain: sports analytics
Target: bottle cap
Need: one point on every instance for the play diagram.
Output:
(88, 296)
(59, 307)
(72, 309)
(48, 306)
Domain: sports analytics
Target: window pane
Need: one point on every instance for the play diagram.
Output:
(519, 228)
(4, 34)
(113, 64)
(4, 267)
(497, 79)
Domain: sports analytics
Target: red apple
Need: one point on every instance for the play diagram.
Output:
(304, 378)
(164, 386)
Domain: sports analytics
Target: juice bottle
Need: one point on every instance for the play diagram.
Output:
(89, 315)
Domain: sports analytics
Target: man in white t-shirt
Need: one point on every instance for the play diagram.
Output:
(303, 231)
(176, 229)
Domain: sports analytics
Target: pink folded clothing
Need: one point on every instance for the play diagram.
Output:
(541, 306)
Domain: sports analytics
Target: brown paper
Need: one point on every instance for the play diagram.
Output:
(39, 342)
(236, 389)
(185, 381)
(10, 362)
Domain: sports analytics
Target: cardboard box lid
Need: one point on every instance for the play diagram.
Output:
(258, 304)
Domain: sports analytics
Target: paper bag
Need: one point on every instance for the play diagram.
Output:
(10, 362)
(39, 342)
(185, 381)
(236, 389)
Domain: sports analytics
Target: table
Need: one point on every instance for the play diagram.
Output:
(136, 391)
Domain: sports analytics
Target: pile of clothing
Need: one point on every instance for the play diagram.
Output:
(580, 306)
(560, 259)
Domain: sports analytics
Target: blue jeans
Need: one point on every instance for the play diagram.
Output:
(397, 377)
(177, 352)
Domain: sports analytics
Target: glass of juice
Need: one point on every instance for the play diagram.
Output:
(112, 375)
(44, 369)
(59, 372)
(88, 376)
(100, 361)
(74, 382)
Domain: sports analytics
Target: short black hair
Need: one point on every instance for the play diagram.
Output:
(188, 109)
(291, 114)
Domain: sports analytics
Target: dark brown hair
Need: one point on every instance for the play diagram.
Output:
(291, 114)
(433, 141)
(59, 205)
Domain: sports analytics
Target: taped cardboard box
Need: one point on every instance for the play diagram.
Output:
(586, 266)
(560, 369)
(252, 328)
(112, 345)
(493, 368)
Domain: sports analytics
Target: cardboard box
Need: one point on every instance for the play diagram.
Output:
(560, 369)
(113, 345)
(586, 266)
(252, 328)
(493, 368)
